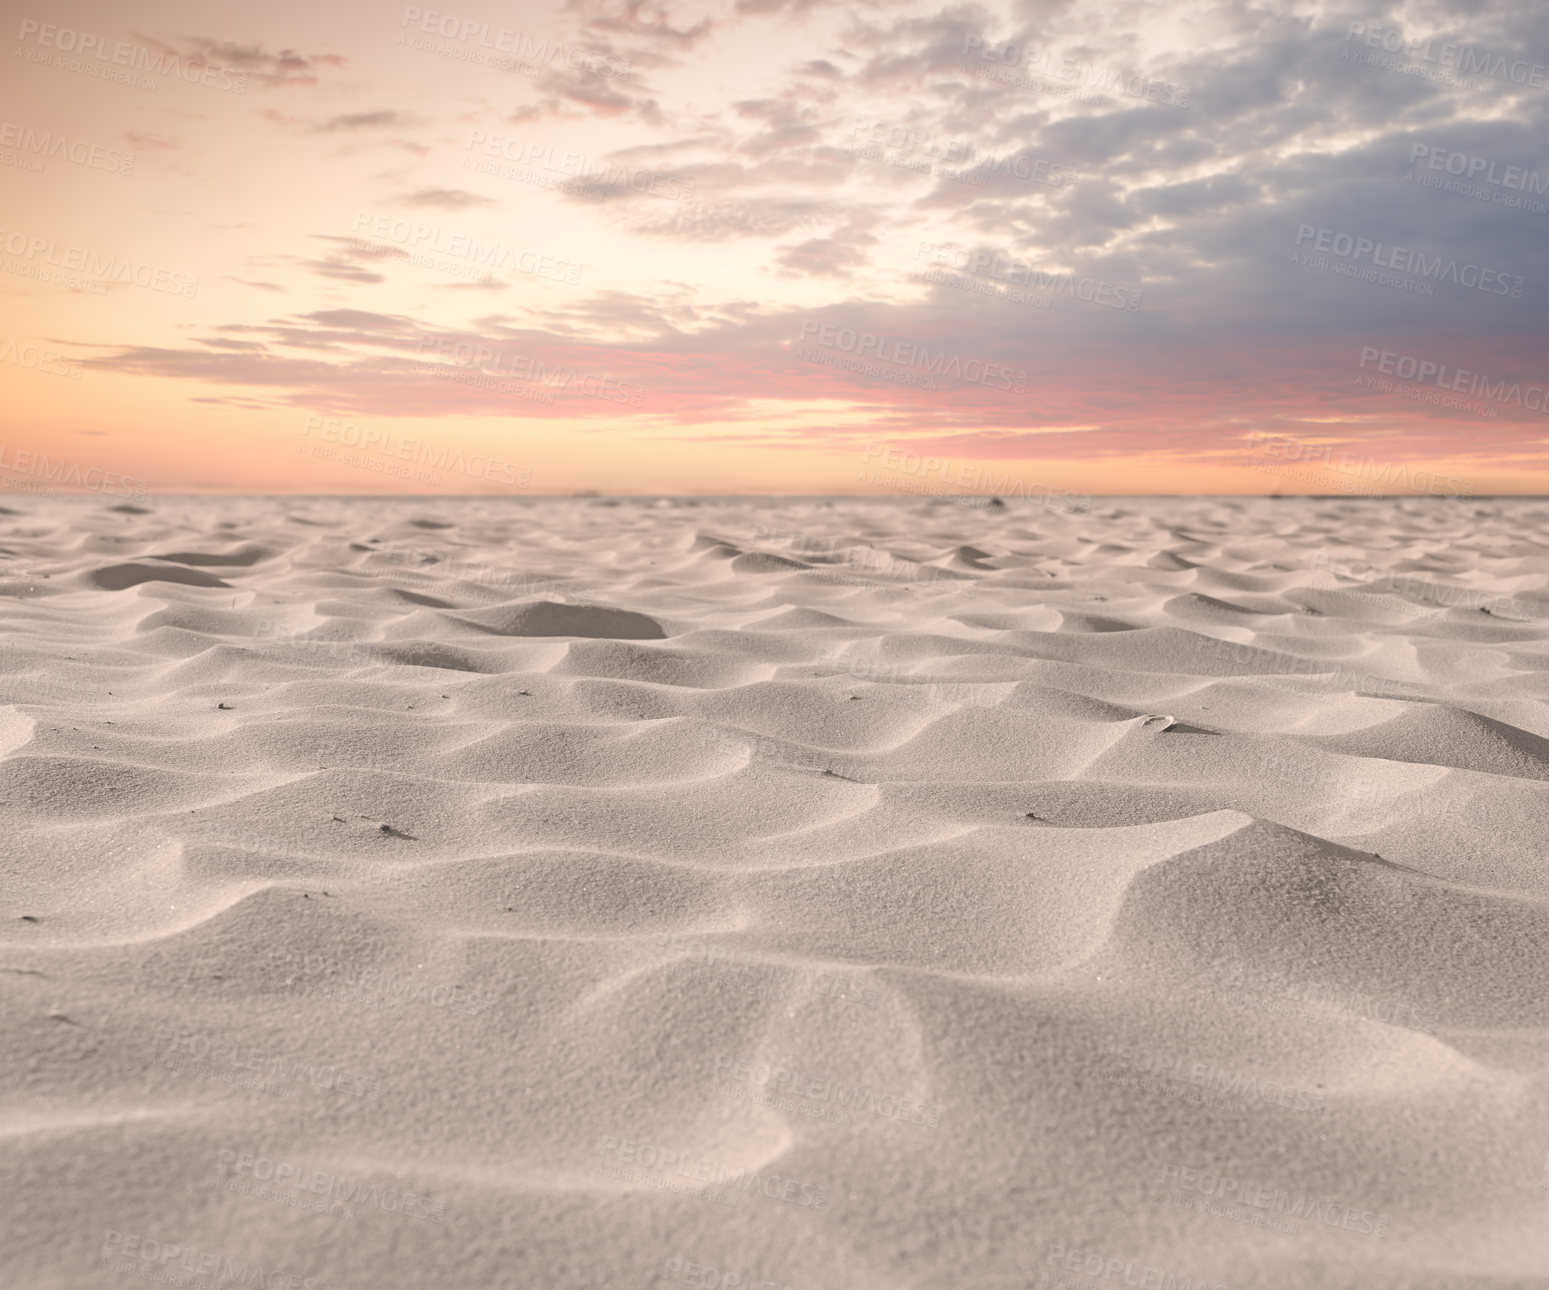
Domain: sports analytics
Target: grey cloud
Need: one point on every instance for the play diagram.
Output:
(381, 119)
(450, 199)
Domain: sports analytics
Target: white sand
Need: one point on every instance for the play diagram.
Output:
(854, 895)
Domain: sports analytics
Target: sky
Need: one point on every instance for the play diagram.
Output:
(774, 246)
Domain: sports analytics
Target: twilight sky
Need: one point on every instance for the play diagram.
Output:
(774, 246)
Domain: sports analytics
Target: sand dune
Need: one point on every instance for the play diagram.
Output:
(843, 894)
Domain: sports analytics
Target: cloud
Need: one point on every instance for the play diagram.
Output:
(597, 91)
(707, 222)
(644, 21)
(272, 71)
(1192, 202)
(362, 128)
(841, 255)
(383, 118)
(249, 405)
(349, 260)
(450, 199)
(966, 377)
(342, 269)
(146, 139)
(364, 322)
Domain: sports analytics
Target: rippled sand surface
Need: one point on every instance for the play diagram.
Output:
(833, 895)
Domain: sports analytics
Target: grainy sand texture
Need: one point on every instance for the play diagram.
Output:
(851, 894)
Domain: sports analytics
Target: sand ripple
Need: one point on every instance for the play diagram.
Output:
(833, 894)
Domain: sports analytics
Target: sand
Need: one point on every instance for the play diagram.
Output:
(852, 894)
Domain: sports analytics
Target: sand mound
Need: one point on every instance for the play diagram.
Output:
(118, 577)
(235, 559)
(546, 618)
